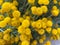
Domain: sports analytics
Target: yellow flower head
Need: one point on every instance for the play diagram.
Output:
(1, 1)
(54, 32)
(15, 23)
(41, 40)
(7, 19)
(58, 29)
(15, 3)
(27, 17)
(34, 42)
(44, 20)
(49, 23)
(23, 37)
(6, 37)
(21, 30)
(38, 24)
(55, 1)
(54, 7)
(45, 2)
(39, 11)
(41, 31)
(27, 31)
(48, 29)
(6, 7)
(48, 43)
(34, 10)
(44, 9)
(44, 25)
(2, 24)
(26, 23)
(13, 8)
(25, 42)
(55, 12)
(33, 24)
(21, 19)
(16, 14)
(31, 1)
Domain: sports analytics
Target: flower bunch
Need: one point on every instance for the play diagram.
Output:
(29, 22)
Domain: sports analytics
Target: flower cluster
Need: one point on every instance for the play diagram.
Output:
(35, 22)
(39, 10)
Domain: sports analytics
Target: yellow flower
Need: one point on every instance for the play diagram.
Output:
(44, 20)
(16, 14)
(29, 37)
(38, 24)
(55, 1)
(49, 23)
(41, 31)
(39, 11)
(34, 10)
(6, 37)
(58, 29)
(2, 24)
(48, 29)
(34, 42)
(25, 42)
(26, 23)
(7, 19)
(13, 7)
(33, 24)
(41, 40)
(28, 17)
(1, 17)
(40, 2)
(23, 37)
(31, 1)
(6, 7)
(55, 12)
(54, 32)
(44, 25)
(14, 23)
(48, 43)
(15, 3)
(1, 1)
(44, 9)
(21, 30)
(21, 19)
(54, 7)
(27, 31)
(45, 2)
